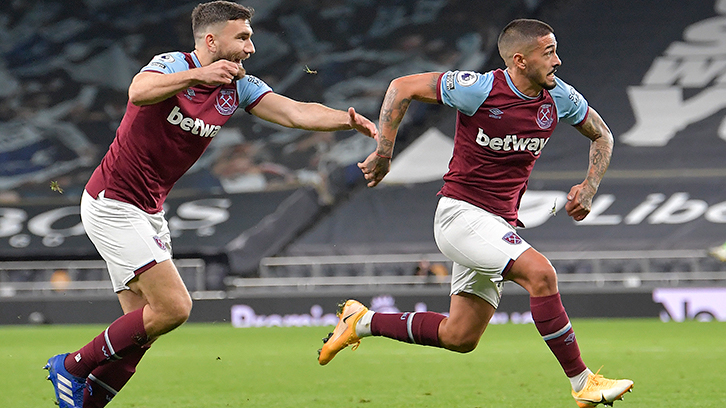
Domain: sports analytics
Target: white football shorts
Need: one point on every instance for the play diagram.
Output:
(130, 240)
(481, 244)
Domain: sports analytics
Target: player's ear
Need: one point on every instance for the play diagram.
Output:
(519, 60)
(211, 42)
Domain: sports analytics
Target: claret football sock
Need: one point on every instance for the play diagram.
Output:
(107, 380)
(122, 337)
(553, 324)
(411, 327)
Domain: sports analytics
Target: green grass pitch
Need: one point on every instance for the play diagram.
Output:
(215, 365)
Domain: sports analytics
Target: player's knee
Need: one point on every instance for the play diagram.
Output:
(184, 310)
(177, 312)
(543, 282)
(176, 318)
(461, 343)
(466, 346)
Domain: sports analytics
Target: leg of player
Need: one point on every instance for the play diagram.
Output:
(534, 273)
(169, 303)
(107, 380)
(460, 230)
(461, 331)
(469, 316)
(168, 306)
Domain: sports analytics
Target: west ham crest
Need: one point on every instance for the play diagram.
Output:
(512, 238)
(545, 116)
(226, 102)
(160, 243)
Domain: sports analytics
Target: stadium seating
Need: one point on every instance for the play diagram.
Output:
(275, 192)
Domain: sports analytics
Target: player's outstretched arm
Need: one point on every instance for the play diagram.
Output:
(420, 87)
(149, 87)
(579, 200)
(290, 113)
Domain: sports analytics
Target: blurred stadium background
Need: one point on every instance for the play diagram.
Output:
(273, 225)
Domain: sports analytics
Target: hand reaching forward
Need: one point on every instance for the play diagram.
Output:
(362, 124)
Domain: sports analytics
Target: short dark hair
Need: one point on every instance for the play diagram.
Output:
(213, 12)
(519, 33)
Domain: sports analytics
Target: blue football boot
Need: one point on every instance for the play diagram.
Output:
(68, 388)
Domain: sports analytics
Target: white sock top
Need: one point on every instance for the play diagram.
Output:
(578, 382)
(363, 327)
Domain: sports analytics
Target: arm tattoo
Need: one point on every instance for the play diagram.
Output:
(434, 84)
(599, 159)
(385, 116)
(390, 118)
(396, 102)
(385, 146)
(402, 108)
(601, 148)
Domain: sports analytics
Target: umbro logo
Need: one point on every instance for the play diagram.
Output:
(495, 113)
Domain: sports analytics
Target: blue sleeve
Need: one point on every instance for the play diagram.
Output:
(250, 88)
(465, 90)
(167, 63)
(571, 106)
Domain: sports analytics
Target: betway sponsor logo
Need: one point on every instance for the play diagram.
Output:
(512, 143)
(194, 126)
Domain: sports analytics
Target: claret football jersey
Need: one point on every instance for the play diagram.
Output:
(500, 133)
(156, 144)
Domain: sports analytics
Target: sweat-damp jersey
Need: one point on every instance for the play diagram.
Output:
(156, 144)
(500, 133)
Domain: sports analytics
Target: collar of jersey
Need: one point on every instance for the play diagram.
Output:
(515, 90)
(196, 60)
